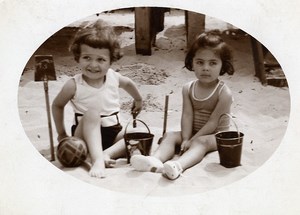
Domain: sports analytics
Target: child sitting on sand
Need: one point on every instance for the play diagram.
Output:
(204, 101)
(94, 95)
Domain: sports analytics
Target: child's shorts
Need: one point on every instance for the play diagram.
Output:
(108, 134)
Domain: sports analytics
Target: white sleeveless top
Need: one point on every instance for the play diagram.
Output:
(105, 99)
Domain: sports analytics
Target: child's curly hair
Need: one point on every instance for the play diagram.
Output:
(97, 35)
(212, 40)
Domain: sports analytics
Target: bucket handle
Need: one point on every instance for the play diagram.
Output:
(231, 117)
(134, 120)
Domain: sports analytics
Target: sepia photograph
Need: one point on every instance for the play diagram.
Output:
(159, 139)
(142, 107)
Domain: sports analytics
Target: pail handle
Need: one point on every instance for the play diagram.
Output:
(230, 116)
(134, 121)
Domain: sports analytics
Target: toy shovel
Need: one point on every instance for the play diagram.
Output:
(44, 71)
(165, 118)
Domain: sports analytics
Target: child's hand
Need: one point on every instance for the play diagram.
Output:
(185, 146)
(137, 107)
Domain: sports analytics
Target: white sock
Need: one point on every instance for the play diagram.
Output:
(172, 169)
(146, 163)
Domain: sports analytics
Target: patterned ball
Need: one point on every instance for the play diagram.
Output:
(71, 151)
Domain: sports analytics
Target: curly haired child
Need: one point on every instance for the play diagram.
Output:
(94, 96)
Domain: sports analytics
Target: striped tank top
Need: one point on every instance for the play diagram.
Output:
(203, 108)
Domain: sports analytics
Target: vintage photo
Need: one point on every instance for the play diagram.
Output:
(154, 101)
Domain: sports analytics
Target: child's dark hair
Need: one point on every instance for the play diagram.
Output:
(97, 35)
(213, 40)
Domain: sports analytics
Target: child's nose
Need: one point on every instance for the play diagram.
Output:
(94, 63)
(205, 66)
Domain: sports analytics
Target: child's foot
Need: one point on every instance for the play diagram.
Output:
(98, 169)
(146, 163)
(172, 169)
(109, 163)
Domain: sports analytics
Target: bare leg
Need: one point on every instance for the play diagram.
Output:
(199, 148)
(118, 149)
(165, 151)
(89, 130)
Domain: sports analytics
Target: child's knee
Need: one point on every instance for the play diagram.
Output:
(168, 134)
(172, 135)
(172, 138)
(208, 144)
(91, 116)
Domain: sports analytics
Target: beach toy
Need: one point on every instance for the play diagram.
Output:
(71, 151)
(165, 119)
(229, 145)
(45, 71)
(138, 142)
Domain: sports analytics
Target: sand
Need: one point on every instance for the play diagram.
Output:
(262, 112)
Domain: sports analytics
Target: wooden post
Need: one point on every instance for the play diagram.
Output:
(195, 25)
(258, 58)
(143, 38)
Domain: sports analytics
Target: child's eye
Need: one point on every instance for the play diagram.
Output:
(212, 63)
(101, 60)
(199, 62)
(86, 57)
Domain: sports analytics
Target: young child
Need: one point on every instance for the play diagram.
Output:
(94, 95)
(204, 101)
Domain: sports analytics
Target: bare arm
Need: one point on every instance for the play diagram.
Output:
(58, 105)
(187, 115)
(130, 87)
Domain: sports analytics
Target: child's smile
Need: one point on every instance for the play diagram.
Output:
(94, 62)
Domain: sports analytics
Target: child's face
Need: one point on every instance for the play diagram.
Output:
(207, 65)
(94, 62)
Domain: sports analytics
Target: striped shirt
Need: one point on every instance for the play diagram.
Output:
(203, 108)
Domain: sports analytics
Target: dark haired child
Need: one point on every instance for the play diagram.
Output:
(204, 101)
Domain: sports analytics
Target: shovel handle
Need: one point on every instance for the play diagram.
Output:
(49, 119)
(165, 114)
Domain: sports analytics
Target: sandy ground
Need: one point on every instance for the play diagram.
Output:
(262, 112)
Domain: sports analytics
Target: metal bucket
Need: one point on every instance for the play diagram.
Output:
(138, 142)
(229, 145)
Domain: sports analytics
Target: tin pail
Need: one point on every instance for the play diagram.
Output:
(229, 145)
(138, 142)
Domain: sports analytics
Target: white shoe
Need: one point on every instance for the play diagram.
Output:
(172, 169)
(146, 163)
